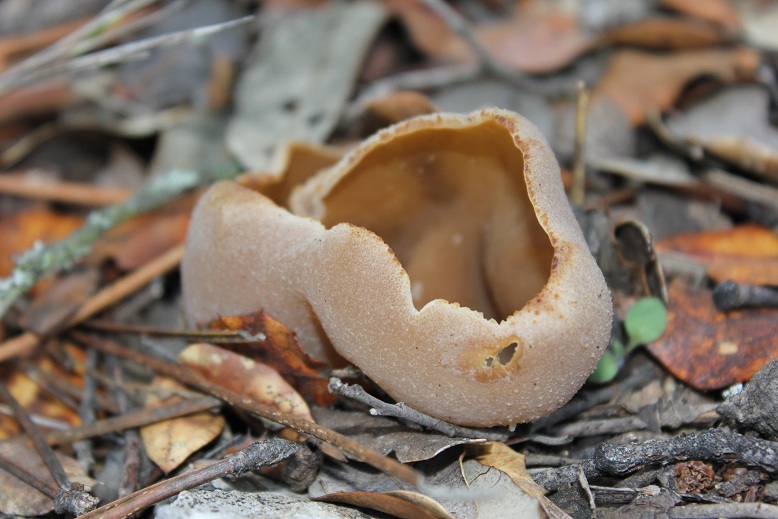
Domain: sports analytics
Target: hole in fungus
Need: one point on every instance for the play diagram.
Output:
(454, 207)
(489, 361)
(506, 354)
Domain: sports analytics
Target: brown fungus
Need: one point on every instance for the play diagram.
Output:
(440, 256)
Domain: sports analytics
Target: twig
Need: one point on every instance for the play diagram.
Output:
(724, 510)
(133, 452)
(31, 479)
(712, 445)
(260, 454)
(60, 191)
(17, 75)
(187, 376)
(42, 260)
(729, 296)
(25, 343)
(402, 411)
(133, 419)
(191, 335)
(134, 50)
(86, 411)
(70, 497)
(579, 161)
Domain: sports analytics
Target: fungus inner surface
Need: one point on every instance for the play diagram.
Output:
(453, 206)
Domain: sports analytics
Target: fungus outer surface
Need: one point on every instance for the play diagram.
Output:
(440, 256)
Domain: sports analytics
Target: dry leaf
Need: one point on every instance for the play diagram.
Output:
(533, 40)
(745, 254)
(667, 33)
(746, 153)
(639, 82)
(19, 498)
(282, 352)
(242, 375)
(403, 504)
(506, 460)
(709, 349)
(718, 11)
(141, 239)
(170, 442)
(20, 231)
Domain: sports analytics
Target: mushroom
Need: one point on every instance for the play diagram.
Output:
(440, 256)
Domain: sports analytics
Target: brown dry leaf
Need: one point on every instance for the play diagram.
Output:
(639, 82)
(744, 254)
(533, 40)
(141, 239)
(708, 349)
(398, 503)
(398, 106)
(19, 498)
(667, 33)
(746, 153)
(170, 442)
(282, 352)
(20, 231)
(506, 460)
(55, 303)
(245, 376)
(718, 11)
(538, 43)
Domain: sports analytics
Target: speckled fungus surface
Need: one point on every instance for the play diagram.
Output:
(440, 256)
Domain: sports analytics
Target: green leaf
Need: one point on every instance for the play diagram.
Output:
(645, 322)
(606, 369)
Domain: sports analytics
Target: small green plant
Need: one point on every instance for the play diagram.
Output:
(645, 322)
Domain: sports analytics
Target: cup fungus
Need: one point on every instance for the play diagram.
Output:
(440, 256)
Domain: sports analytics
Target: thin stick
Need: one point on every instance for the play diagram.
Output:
(31, 479)
(17, 75)
(26, 343)
(578, 189)
(59, 191)
(134, 49)
(259, 454)
(70, 497)
(133, 419)
(400, 410)
(187, 376)
(151, 331)
(45, 452)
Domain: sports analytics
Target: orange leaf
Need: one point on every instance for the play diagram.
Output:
(709, 349)
(170, 442)
(281, 351)
(745, 254)
(245, 376)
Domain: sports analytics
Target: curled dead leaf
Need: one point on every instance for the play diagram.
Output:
(170, 442)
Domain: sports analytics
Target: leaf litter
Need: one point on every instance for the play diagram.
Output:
(680, 145)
